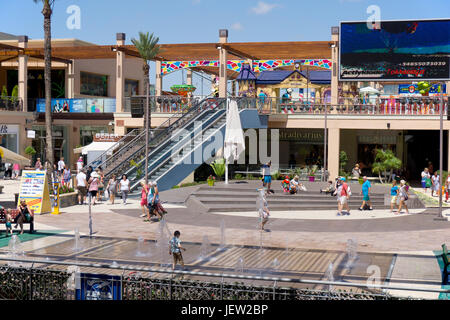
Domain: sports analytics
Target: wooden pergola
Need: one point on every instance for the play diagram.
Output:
(184, 52)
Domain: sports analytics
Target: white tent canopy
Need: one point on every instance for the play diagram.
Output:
(95, 146)
(369, 90)
(234, 142)
(12, 157)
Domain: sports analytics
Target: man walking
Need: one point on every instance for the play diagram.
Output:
(365, 193)
(343, 195)
(82, 187)
(175, 250)
(61, 165)
(267, 177)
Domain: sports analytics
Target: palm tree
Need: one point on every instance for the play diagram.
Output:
(148, 50)
(47, 13)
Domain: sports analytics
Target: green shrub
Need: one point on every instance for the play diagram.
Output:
(238, 176)
(30, 150)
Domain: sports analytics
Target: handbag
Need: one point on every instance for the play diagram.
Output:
(428, 183)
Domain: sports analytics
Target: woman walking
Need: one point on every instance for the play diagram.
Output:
(394, 195)
(101, 185)
(124, 188)
(435, 184)
(93, 186)
(112, 188)
(66, 177)
(403, 196)
(16, 171)
(144, 194)
(152, 200)
(425, 178)
(158, 204)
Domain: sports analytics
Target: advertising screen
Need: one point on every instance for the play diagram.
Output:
(394, 51)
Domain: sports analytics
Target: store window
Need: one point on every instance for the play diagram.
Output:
(9, 137)
(87, 133)
(94, 84)
(131, 88)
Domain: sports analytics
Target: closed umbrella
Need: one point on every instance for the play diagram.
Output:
(234, 142)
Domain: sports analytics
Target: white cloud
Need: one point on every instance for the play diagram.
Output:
(263, 7)
(237, 26)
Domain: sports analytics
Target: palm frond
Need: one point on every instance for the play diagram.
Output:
(147, 45)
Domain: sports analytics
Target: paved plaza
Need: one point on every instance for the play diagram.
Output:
(297, 244)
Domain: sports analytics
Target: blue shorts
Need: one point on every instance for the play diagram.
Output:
(424, 184)
(267, 179)
(366, 197)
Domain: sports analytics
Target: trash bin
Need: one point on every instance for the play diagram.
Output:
(16, 198)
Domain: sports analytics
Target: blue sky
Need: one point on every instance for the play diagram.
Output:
(186, 21)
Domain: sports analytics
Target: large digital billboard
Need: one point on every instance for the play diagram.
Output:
(395, 50)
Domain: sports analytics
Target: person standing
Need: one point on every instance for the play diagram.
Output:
(158, 204)
(175, 250)
(80, 164)
(403, 196)
(101, 185)
(81, 187)
(93, 186)
(112, 188)
(61, 165)
(394, 194)
(266, 176)
(435, 184)
(356, 172)
(425, 177)
(366, 186)
(16, 171)
(152, 200)
(38, 164)
(124, 188)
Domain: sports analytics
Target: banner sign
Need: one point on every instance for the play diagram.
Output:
(99, 287)
(79, 105)
(412, 89)
(34, 190)
(394, 50)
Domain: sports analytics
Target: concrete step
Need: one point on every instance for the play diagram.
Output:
(218, 200)
(243, 208)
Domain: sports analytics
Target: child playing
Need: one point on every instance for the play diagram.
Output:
(394, 195)
(8, 222)
(285, 184)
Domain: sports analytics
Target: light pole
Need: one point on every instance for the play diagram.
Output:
(441, 155)
(325, 140)
(146, 131)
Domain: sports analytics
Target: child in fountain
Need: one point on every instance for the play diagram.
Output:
(8, 222)
(263, 209)
(175, 250)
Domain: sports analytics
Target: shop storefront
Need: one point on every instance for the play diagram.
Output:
(60, 142)
(9, 137)
(87, 133)
(301, 147)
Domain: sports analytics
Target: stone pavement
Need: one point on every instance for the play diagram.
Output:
(410, 238)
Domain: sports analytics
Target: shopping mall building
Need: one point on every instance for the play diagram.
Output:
(298, 81)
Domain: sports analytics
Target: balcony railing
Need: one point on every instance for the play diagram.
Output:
(11, 104)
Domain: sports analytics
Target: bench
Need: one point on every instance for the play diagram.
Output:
(446, 263)
(14, 214)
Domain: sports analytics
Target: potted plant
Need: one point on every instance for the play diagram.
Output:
(211, 180)
(312, 173)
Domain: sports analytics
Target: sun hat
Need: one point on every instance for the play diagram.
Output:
(94, 174)
(342, 179)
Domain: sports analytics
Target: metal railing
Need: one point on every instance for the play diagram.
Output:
(157, 136)
(32, 283)
(11, 104)
(408, 106)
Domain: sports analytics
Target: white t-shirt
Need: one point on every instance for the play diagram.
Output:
(81, 178)
(61, 165)
(79, 165)
(124, 185)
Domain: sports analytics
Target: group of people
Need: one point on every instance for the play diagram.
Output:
(292, 186)
(432, 181)
(12, 171)
(150, 203)
(23, 216)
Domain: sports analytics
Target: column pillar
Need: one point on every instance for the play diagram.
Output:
(189, 77)
(70, 80)
(333, 152)
(334, 67)
(158, 79)
(23, 74)
(223, 38)
(120, 79)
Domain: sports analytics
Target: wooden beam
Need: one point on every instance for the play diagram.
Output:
(131, 52)
(66, 61)
(236, 52)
